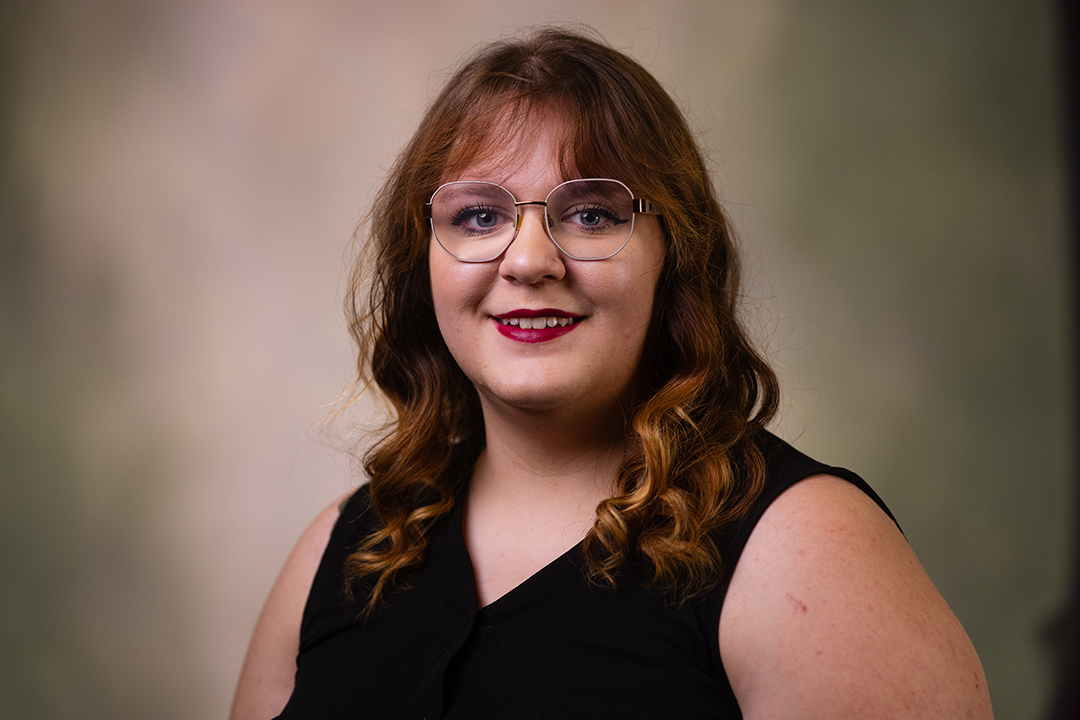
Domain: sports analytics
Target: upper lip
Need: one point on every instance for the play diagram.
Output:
(543, 312)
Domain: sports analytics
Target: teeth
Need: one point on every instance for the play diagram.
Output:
(537, 323)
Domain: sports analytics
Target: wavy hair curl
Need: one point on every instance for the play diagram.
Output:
(691, 465)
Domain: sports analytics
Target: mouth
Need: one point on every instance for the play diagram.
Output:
(538, 325)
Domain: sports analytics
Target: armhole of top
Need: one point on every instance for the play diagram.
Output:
(327, 589)
(785, 467)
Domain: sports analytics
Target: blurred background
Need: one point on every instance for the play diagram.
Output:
(179, 187)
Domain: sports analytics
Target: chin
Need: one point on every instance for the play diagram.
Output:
(525, 398)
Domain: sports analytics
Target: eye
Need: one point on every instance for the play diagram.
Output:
(485, 218)
(478, 219)
(590, 219)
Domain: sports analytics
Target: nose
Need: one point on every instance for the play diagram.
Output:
(532, 257)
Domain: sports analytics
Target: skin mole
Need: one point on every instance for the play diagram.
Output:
(799, 605)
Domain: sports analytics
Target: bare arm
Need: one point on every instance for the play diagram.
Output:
(266, 681)
(830, 615)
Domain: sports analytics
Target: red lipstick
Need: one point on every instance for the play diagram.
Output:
(533, 326)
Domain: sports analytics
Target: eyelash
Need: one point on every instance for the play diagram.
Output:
(610, 215)
(462, 215)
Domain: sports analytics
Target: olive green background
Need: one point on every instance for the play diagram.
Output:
(179, 184)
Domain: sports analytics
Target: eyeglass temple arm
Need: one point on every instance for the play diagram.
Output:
(645, 207)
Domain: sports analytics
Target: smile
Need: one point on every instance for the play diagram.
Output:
(536, 326)
(536, 322)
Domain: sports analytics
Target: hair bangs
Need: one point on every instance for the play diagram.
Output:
(508, 123)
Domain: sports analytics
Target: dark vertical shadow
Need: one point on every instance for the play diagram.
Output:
(1063, 635)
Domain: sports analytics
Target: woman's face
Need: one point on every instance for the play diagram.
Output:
(586, 365)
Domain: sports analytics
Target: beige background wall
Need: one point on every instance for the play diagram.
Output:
(179, 182)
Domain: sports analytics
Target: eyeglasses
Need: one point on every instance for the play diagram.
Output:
(591, 219)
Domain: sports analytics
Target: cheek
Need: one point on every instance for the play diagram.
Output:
(649, 278)
(443, 300)
(638, 293)
(636, 290)
(456, 292)
(446, 282)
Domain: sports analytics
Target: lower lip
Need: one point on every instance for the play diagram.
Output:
(534, 335)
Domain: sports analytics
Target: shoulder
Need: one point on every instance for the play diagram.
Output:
(830, 614)
(267, 677)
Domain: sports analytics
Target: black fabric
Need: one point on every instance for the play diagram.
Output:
(555, 646)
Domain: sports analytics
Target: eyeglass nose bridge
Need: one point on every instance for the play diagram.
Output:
(547, 221)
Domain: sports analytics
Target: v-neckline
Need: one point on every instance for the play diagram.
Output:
(561, 572)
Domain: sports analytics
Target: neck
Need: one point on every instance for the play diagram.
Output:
(548, 459)
(534, 491)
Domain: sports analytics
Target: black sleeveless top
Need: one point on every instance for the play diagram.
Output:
(555, 646)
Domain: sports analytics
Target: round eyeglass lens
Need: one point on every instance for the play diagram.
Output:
(474, 221)
(590, 219)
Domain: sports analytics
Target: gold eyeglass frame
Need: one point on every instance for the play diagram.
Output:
(639, 206)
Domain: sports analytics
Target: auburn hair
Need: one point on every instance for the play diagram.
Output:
(691, 465)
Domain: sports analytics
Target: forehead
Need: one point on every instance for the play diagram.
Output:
(496, 150)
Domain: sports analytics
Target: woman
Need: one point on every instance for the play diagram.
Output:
(578, 511)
